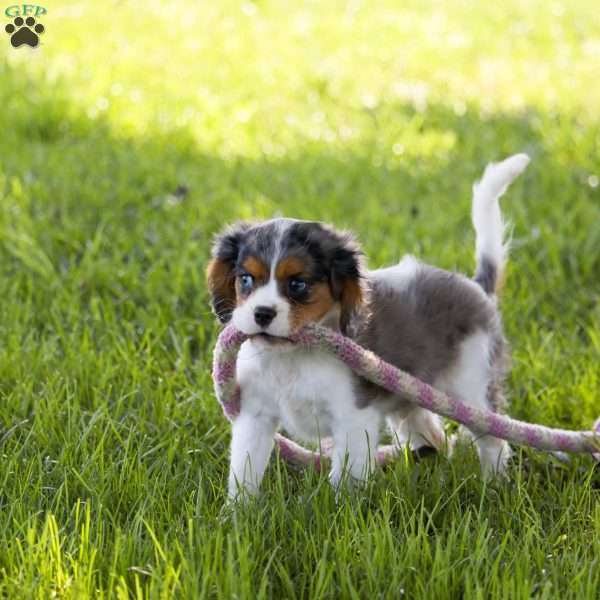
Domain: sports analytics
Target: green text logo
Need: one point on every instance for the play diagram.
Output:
(25, 10)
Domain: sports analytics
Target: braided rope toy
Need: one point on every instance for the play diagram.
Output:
(368, 365)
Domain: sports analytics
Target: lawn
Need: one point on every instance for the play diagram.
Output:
(133, 134)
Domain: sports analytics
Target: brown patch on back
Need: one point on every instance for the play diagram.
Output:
(256, 268)
(221, 286)
(289, 267)
(320, 302)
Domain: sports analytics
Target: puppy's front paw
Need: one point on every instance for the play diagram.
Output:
(494, 456)
(344, 484)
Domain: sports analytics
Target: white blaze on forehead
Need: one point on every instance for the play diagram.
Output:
(282, 225)
(266, 295)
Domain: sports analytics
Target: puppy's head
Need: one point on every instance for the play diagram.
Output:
(274, 277)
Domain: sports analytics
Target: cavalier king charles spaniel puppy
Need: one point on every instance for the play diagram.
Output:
(274, 277)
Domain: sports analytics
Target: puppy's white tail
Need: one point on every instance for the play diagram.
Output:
(491, 250)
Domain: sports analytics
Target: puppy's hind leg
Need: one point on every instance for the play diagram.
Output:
(494, 453)
(471, 380)
(418, 429)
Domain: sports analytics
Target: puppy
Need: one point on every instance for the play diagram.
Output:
(272, 278)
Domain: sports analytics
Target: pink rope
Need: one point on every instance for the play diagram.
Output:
(368, 365)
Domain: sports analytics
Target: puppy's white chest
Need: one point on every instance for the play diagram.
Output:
(302, 389)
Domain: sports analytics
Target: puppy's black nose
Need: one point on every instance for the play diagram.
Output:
(263, 315)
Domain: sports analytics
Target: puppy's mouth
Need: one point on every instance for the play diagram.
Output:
(270, 339)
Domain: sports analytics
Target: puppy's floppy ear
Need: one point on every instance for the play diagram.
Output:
(220, 271)
(347, 277)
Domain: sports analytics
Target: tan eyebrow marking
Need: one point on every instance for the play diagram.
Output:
(256, 268)
(288, 267)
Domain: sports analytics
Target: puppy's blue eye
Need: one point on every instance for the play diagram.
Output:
(246, 283)
(297, 286)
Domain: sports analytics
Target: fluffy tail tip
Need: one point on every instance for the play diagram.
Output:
(491, 247)
(515, 164)
(498, 176)
(510, 168)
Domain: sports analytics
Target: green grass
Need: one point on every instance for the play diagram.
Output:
(113, 450)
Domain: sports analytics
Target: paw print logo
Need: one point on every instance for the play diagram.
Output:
(24, 32)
